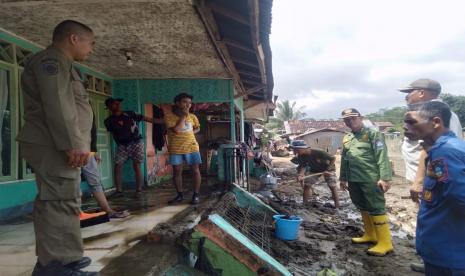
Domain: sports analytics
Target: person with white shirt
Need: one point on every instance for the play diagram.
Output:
(413, 151)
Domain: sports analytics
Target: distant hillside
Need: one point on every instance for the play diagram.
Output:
(394, 115)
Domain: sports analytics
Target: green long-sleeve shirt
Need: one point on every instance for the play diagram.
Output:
(364, 157)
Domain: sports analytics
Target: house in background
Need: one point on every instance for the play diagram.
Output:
(301, 126)
(384, 126)
(218, 51)
(329, 140)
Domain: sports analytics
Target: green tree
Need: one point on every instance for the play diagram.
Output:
(285, 111)
(394, 115)
(457, 104)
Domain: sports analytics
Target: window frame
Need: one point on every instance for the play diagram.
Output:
(24, 175)
(14, 121)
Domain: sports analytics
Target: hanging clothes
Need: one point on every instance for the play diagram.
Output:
(158, 130)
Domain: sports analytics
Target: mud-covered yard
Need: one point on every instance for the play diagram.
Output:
(324, 237)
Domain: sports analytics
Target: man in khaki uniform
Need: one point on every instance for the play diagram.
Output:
(55, 141)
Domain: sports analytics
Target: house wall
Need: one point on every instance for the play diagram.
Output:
(138, 93)
(328, 141)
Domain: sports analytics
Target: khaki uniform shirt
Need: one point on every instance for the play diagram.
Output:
(364, 157)
(57, 112)
(57, 117)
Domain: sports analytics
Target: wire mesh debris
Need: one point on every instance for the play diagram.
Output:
(252, 222)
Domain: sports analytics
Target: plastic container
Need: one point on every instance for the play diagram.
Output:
(287, 228)
(268, 181)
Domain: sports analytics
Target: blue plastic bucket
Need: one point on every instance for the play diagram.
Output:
(287, 228)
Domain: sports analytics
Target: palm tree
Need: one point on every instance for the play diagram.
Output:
(285, 111)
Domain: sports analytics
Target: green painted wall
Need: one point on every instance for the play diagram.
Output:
(136, 93)
(203, 90)
(16, 193)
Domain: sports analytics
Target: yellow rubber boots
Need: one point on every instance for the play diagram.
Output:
(370, 234)
(383, 234)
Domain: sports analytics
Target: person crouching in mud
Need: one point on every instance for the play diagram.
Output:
(318, 162)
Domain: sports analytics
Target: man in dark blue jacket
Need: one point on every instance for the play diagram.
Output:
(440, 238)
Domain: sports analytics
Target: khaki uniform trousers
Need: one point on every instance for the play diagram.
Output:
(57, 205)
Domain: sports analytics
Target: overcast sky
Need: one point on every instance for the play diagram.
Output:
(329, 55)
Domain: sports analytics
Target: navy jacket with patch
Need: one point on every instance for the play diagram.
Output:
(440, 238)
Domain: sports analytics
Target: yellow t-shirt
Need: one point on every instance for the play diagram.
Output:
(182, 142)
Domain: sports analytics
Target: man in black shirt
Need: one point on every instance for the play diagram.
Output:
(123, 125)
(315, 161)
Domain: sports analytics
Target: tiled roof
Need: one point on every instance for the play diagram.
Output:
(383, 124)
(303, 126)
(312, 131)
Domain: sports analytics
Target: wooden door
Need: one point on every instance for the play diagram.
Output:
(103, 139)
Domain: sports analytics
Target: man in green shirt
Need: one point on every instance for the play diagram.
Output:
(318, 162)
(366, 168)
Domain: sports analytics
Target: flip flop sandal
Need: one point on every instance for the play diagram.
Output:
(120, 214)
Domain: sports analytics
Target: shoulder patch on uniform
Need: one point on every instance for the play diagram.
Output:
(427, 195)
(49, 66)
(379, 144)
(437, 169)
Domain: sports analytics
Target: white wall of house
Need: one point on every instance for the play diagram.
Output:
(328, 141)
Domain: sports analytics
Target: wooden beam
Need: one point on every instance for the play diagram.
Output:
(248, 73)
(245, 62)
(251, 81)
(229, 13)
(251, 91)
(26, 3)
(253, 105)
(254, 11)
(208, 20)
(254, 20)
(238, 45)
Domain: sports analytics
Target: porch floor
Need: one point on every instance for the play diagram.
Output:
(102, 242)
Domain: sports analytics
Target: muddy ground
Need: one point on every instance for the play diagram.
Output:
(324, 237)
